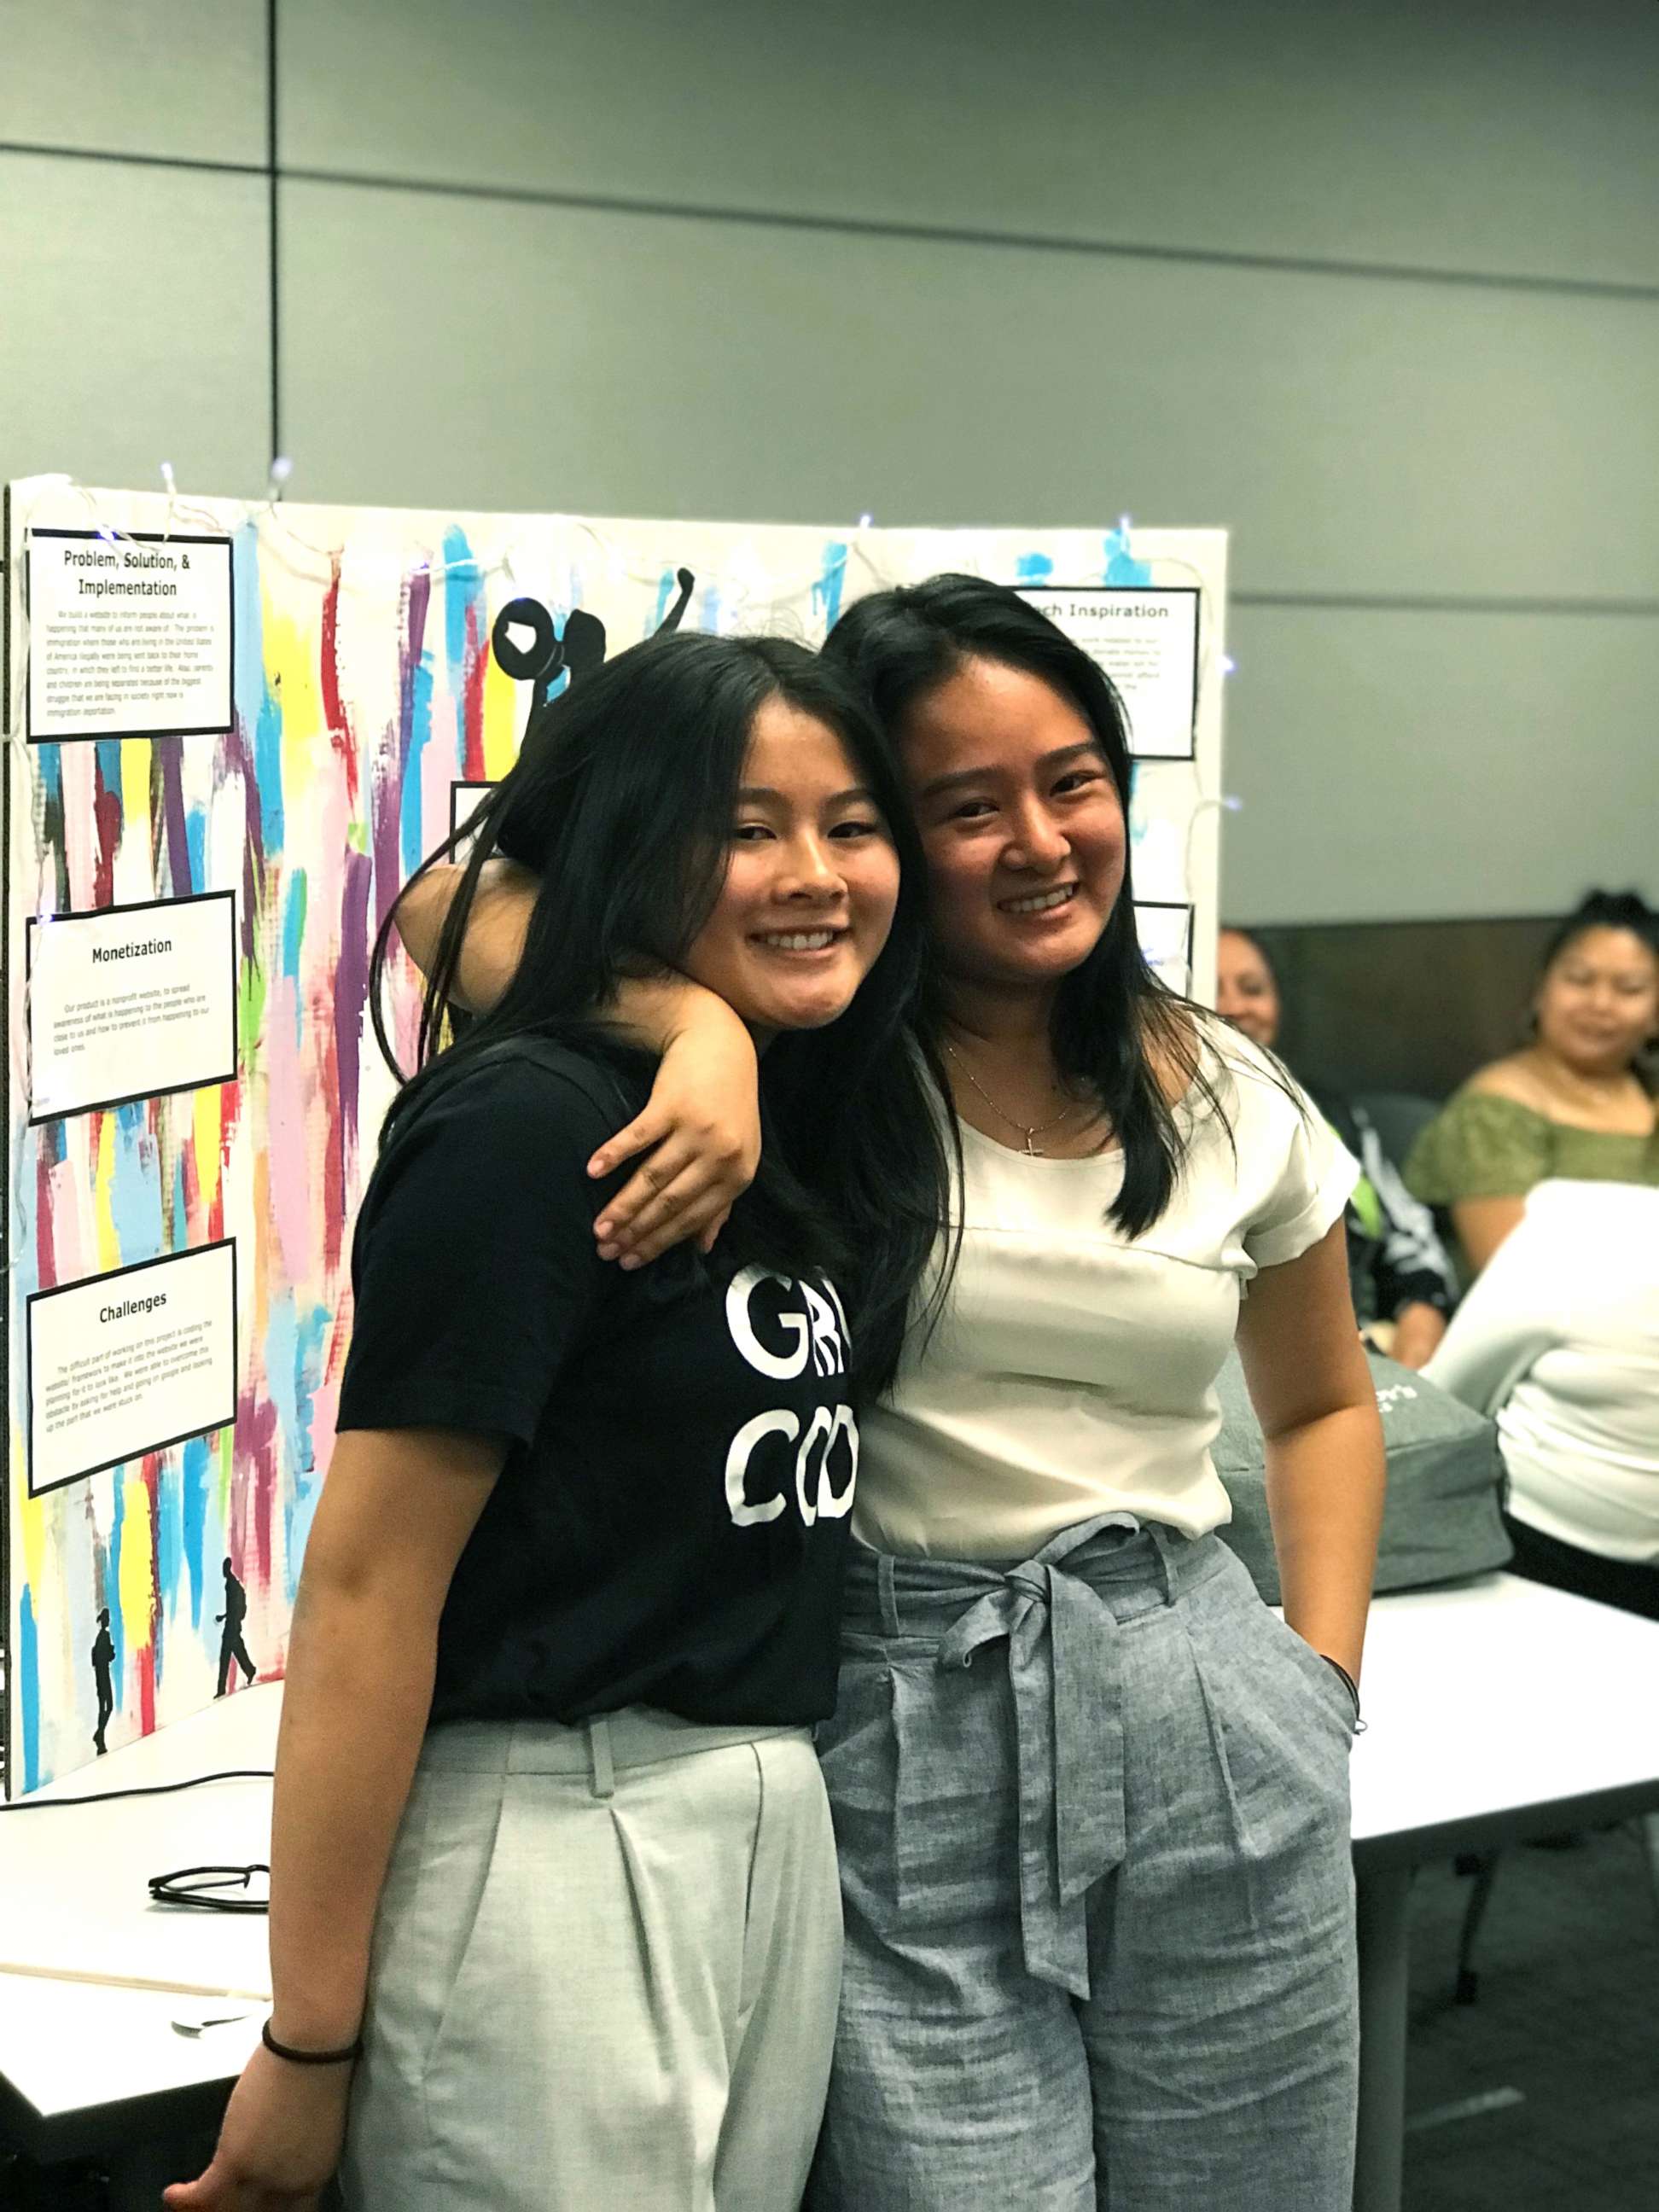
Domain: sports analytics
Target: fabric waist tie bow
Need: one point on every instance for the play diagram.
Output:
(1063, 1668)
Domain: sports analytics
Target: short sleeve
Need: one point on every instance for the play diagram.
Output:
(1315, 1183)
(474, 1266)
(1479, 1146)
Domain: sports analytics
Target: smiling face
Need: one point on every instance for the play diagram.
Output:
(1245, 992)
(1021, 825)
(1599, 1001)
(811, 881)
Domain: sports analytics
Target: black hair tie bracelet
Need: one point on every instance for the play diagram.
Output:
(310, 2057)
(1352, 1688)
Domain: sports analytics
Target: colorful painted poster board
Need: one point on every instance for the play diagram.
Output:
(252, 805)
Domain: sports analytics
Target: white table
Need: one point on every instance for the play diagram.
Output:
(1497, 1709)
(88, 2068)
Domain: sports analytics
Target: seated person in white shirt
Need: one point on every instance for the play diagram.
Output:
(1559, 1341)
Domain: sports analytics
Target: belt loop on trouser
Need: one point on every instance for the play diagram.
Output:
(1162, 1539)
(1063, 1668)
(601, 1766)
(886, 1595)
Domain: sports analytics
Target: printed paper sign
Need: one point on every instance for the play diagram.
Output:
(128, 636)
(1147, 640)
(464, 800)
(130, 1001)
(1166, 939)
(121, 1364)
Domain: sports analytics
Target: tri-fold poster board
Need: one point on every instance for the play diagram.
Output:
(233, 733)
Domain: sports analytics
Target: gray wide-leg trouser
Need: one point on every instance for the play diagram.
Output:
(1092, 1811)
(605, 1973)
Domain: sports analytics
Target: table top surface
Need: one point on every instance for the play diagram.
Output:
(1497, 1694)
(1483, 1698)
(74, 1897)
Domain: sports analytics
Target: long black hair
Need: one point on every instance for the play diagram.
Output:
(1114, 1021)
(1598, 909)
(622, 802)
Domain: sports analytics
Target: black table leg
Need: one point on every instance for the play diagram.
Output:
(1384, 1899)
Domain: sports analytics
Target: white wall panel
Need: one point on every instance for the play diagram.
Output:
(135, 326)
(1498, 135)
(181, 78)
(1357, 437)
(1361, 437)
(1404, 766)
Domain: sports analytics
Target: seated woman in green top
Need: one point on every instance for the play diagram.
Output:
(1575, 1101)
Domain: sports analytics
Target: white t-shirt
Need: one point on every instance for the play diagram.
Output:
(1071, 1372)
(1559, 1341)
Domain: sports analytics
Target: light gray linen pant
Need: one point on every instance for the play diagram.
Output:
(1092, 1811)
(605, 1973)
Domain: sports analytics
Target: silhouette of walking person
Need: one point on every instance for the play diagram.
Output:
(231, 1646)
(103, 1658)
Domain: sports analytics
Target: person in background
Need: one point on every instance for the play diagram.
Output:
(1575, 1101)
(1558, 1342)
(1401, 1279)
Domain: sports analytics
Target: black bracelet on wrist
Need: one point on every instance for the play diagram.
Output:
(1350, 1685)
(310, 2057)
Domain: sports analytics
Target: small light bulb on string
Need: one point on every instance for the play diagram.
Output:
(282, 468)
(866, 520)
(1229, 665)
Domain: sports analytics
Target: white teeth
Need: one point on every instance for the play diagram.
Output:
(1042, 903)
(804, 940)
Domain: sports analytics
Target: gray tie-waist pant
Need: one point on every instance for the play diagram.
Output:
(1093, 1815)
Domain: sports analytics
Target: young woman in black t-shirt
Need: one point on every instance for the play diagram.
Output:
(551, 1861)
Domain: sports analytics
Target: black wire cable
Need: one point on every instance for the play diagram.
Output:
(152, 1789)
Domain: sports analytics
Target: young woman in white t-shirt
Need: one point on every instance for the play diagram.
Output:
(1091, 1795)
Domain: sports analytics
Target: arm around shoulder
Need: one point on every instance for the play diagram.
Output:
(494, 944)
(700, 1129)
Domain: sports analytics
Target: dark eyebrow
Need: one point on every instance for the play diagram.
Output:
(966, 775)
(756, 794)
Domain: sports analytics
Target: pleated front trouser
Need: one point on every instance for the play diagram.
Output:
(604, 1974)
(1092, 1810)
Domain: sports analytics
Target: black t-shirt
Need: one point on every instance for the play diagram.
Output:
(670, 1526)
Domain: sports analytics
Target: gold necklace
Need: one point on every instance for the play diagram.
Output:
(1031, 1133)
